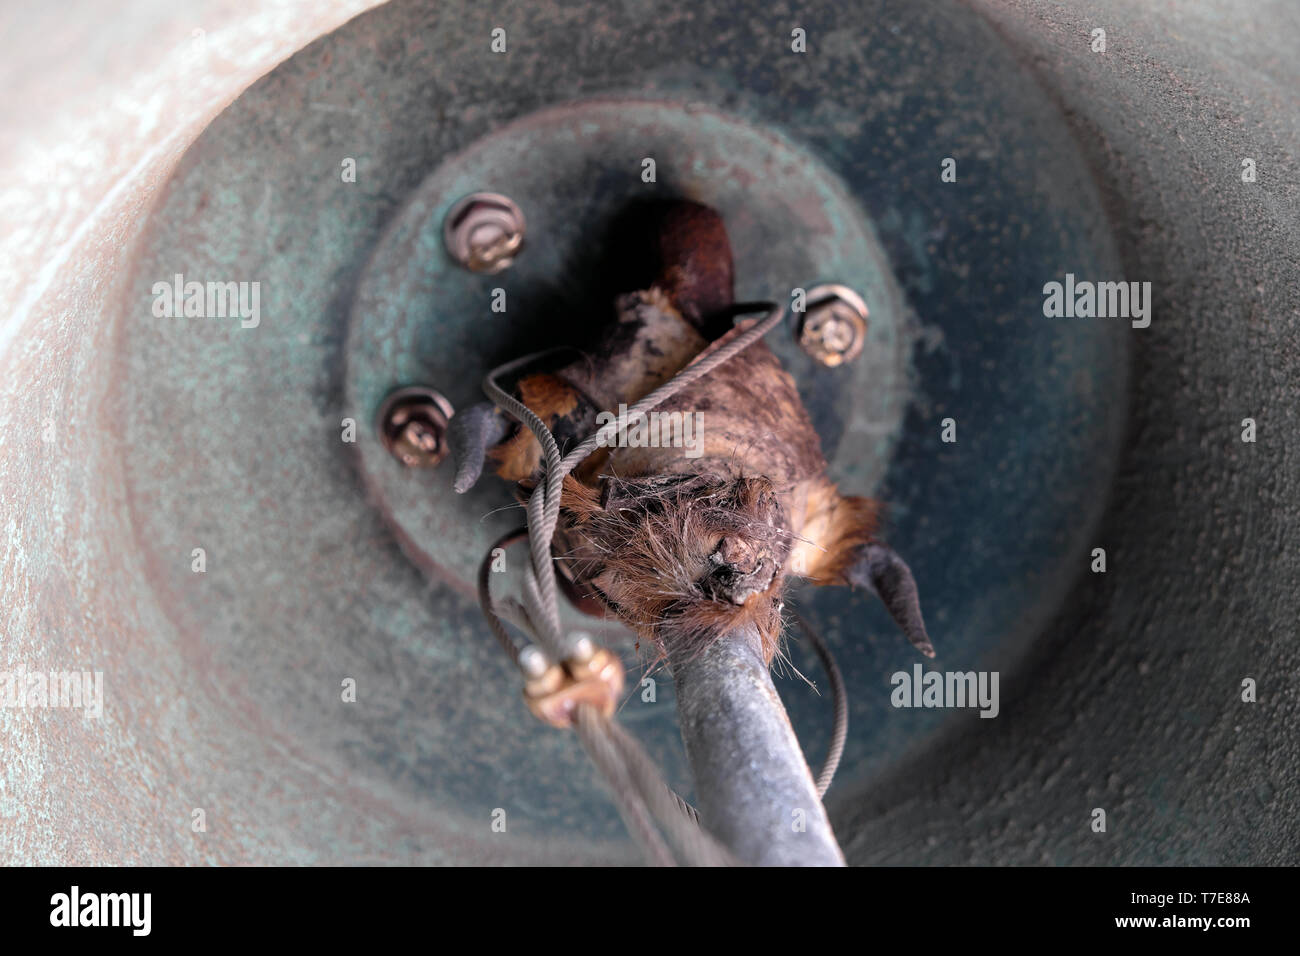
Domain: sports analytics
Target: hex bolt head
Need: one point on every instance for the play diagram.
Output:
(413, 425)
(834, 328)
(484, 232)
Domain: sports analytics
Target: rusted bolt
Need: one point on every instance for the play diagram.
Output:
(834, 327)
(484, 232)
(413, 423)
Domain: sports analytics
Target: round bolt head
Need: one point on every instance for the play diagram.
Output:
(412, 425)
(834, 329)
(583, 647)
(533, 662)
(484, 231)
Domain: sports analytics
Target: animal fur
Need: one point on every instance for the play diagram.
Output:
(682, 548)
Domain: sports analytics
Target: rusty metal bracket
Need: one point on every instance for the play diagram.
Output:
(596, 679)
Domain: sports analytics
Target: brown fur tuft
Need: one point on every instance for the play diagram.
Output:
(834, 527)
(682, 558)
(552, 400)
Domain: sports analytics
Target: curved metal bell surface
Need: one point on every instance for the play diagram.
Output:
(284, 616)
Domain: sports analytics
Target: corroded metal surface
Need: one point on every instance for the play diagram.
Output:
(90, 141)
(418, 317)
(1133, 701)
(228, 682)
